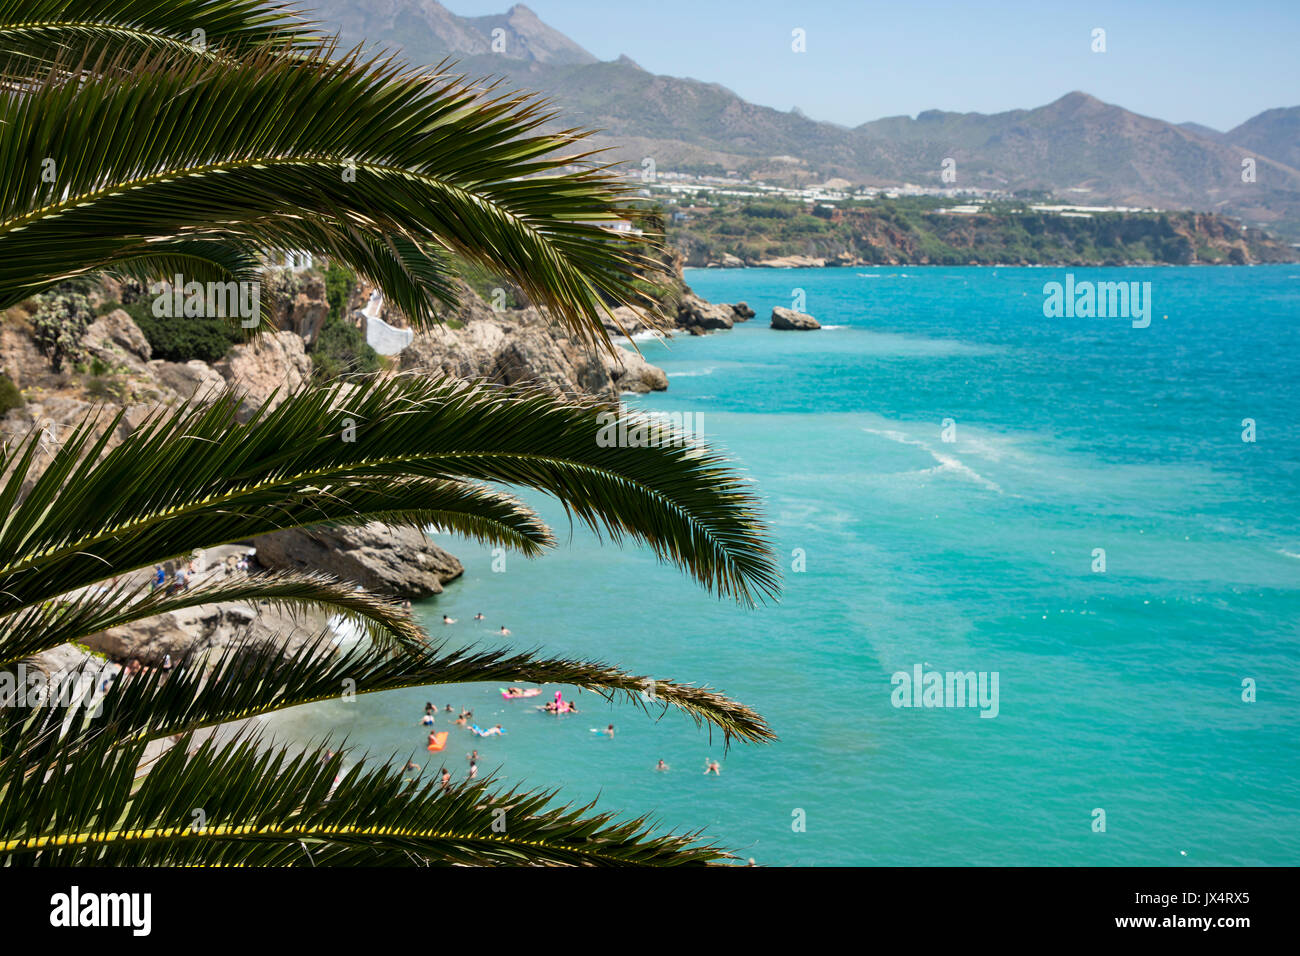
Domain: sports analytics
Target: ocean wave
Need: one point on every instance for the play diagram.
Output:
(943, 463)
(695, 374)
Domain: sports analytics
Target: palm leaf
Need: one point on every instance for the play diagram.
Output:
(212, 480)
(248, 804)
(315, 152)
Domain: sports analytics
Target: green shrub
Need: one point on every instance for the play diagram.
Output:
(186, 338)
(10, 397)
(58, 326)
(341, 349)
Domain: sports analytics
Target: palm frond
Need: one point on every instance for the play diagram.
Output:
(198, 478)
(248, 804)
(316, 152)
(247, 679)
(75, 617)
(35, 35)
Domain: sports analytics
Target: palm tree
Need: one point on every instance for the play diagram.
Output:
(236, 146)
(128, 148)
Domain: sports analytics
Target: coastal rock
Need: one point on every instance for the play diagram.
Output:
(193, 379)
(524, 347)
(306, 312)
(273, 364)
(729, 261)
(116, 337)
(695, 313)
(742, 312)
(788, 319)
(207, 630)
(792, 262)
(624, 321)
(630, 372)
(399, 562)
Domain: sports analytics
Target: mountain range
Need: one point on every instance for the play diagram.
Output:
(1076, 147)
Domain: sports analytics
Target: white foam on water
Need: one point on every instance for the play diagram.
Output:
(943, 463)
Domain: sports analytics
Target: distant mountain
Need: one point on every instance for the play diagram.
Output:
(1076, 147)
(1273, 133)
(427, 31)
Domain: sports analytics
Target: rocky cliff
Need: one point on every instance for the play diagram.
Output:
(516, 346)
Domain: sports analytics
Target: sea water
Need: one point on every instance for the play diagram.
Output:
(1103, 517)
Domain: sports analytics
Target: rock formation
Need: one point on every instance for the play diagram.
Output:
(523, 347)
(398, 562)
(791, 320)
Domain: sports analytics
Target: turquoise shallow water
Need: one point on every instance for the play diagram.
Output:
(1118, 690)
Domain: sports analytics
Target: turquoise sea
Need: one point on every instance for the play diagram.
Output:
(1119, 690)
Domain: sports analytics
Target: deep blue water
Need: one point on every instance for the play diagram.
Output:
(1119, 690)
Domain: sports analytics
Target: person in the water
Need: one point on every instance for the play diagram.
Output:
(478, 616)
(661, 766)
(711, 767)
(504, 630)
(448, 620)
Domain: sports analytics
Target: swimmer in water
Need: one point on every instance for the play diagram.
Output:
(411, 765)
(427, 720)
(446, 778)
(711, 767)
(432, 742)
(609, 731)
(505, 630)
(460, 721)
(478, 616)
(448, 620)
(661, 766)
(473, 771)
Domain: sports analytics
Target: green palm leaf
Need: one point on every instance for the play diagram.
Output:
(37, 34)
(309, 151)
(248, 804)
(214, 481)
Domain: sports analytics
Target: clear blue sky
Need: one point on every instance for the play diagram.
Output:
(1213, 63)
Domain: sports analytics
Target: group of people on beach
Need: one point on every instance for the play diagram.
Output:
(183, 575)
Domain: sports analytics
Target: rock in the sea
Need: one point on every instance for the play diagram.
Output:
(694, 313)
(742, 312)
(792, 320)
(630, 372)
(398, 562)
(272, 364)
